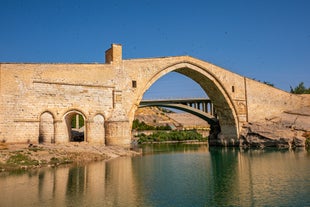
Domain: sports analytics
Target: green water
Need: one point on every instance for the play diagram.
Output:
(169, 175)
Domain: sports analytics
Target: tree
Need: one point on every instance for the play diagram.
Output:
(300, 89)
(265, 82)
(268, 83)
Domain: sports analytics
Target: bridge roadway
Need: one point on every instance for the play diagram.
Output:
(201, 107)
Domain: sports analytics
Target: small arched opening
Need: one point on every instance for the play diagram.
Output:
(75, 122)
(46, 128)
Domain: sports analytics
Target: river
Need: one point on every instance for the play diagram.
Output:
(169, 175)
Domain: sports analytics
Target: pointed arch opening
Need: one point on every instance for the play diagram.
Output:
(221, 101)
(75, 122)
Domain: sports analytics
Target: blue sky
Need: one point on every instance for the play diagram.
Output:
(268, 40)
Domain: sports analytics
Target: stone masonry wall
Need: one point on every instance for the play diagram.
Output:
(28, 90)
(107, 96)
(266, 101)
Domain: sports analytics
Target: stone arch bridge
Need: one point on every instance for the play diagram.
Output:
(39, 101)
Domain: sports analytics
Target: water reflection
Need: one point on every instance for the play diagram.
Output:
(169, 175)
(225, 183)
(160, 148)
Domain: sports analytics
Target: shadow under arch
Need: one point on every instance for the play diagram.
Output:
(222, 102)
(75, 122)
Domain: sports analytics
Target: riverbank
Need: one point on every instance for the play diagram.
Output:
(29, 156)
(289, 129)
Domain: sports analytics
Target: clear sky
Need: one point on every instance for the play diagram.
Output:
(268, 40)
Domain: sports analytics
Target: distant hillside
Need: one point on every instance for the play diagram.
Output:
(155, 116)
(189, 121)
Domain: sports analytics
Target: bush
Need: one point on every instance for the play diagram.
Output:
(171, 136)
(140, 126)
(300, 89)
(81, 121)
(21, 159)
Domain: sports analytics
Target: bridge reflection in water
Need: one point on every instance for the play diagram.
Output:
(185, 175)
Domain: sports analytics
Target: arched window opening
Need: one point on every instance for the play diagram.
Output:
(76, 127)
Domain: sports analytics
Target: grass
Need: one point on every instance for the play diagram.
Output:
(35, 149)
(21, 159)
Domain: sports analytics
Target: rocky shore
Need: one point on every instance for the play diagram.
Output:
(289, 129)
(29, 156)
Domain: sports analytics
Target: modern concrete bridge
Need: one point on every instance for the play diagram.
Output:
(203, 104)
(39, 101)
(201, 107)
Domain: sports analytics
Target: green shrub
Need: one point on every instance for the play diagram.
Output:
(140, 126)
(300, 89)
(171, 136)
(21, 159)
(54, 160)
(81, 121)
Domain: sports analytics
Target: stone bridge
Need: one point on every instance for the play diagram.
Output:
(39, 101)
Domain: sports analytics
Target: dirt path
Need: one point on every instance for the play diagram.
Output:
(25, 156)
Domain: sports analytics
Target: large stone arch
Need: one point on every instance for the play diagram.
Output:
(68, 119)
(220, 98)
(46, 128)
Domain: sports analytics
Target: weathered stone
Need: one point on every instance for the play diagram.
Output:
(283, 131)
(299, 141)
(38, 100)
